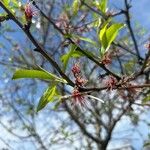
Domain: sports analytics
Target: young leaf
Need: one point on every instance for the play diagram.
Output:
(49, 95)
(6, 2)
(103, 33)
(55, 77)
(112, 32)
(40, 74)
(103, 5)
(146, 99)
(15, 3)
(86, 40)
(108, 35)
(75, 6)
(77, 54)
(103, 39)
(65, 58)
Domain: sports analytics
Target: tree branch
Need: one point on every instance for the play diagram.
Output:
(38, 47)
(126, 12)
(78, 46)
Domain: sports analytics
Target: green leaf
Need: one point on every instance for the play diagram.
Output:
(103, 5)
(65, 58)
(86, 40)
(96, 23)
(102, 33)
(49, 95)
(6, 2)
(54, 76)
(74, 52)
(103, 39)
(112, 32)
(129, 66)
(77, 54)
(75, 6)
(58, 103)
(15, 4)
(40, 74)
(146, 99)
(108, 35)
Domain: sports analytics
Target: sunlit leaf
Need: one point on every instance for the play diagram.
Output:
(146, 99)
(103, 5)
(6, 2)
(15, 3)
(77, 54)
(49, 95)
(102, 33)
(108, 34)
(129, 66)
(40, 74)
(65, 58)
(75, 6)
(112, 32)
(86, 40)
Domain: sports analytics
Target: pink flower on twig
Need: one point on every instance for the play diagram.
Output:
(80, 81)
(106, 60)
(111, 82)
(29, 12)
(78, 98)
(76, 70)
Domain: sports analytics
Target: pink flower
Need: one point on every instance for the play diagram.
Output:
(147, 45)
(106, 60)
(63, 21)
(78, 98)
(76, 69)
(80, 81)
(29, 12)
(111, 82)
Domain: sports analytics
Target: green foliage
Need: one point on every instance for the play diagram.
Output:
(6, 2)
(108, 34)
(11, 4)
(15, 3)
(73, 52)
(101, 5)
(49, 95)
(75, 6)
(129, 66)
(40, 74)
(65, 58)
(86, 40)
(146, 99)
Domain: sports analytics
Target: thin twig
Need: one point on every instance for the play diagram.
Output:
(78, 46)
(131, 30)
(38, 47)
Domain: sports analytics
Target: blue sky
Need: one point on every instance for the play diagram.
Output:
(140, 10)
(140, 13)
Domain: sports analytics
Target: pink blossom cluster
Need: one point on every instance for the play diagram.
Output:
(78, 98)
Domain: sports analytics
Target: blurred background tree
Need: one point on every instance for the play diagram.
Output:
(71, 33)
